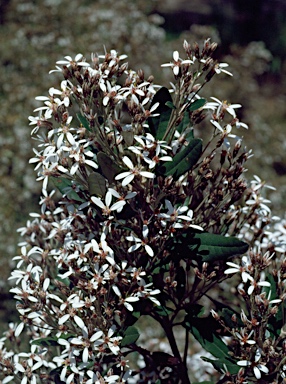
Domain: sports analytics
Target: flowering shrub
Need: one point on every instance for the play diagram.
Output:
(148, 224)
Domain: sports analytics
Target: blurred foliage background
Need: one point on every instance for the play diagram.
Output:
(34, 34)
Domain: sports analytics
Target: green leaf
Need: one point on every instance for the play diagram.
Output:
(207, 247)
(204, 330)
(215, 247)
(197, 104)
(65, 186)
(163, 124)
(65, 281)
(227, 314)
(185, 123)
(184, 160)
(164, 98)
(130, 336)
(83, 120)
(170, 105)
(220, 364)
(107, 165)
(276, 322)
(46, 341)
(62, 183)
(163, 311)
(96, 184)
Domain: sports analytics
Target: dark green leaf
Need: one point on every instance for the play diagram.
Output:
(207, 247)
(221, 363)
(67, 336)
(163, 124)
(65, 281)
(215, 247)
(132, 318)
(130, 336)
(162, 97)
(83, 121)
(204, 330)
(163, 311)
(46, 341)
(197, 104)
(184, 160)
(195, 310)
(108, 167)
(65, 186)
(276, 322)
(227, 314)
(212, 343)
(96, 184)
(272, 290)
(185, 123)
(170, 105)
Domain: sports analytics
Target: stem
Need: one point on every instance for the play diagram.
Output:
(186, 348)
(182, 368)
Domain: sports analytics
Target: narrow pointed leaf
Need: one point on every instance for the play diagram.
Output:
(169, 104)
(197, 104)
(96, 184)
(204, 333)
(184, 160)
(46, 341)
(204, 330)
(83, 120)
(221, 363)
(63, 184)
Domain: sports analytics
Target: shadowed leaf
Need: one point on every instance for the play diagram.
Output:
(96, 184)
(207, 247)
(158, 124)
(108, 167)
(184, 160)
(130, 336)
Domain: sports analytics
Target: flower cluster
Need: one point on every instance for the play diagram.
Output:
(144, 226)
